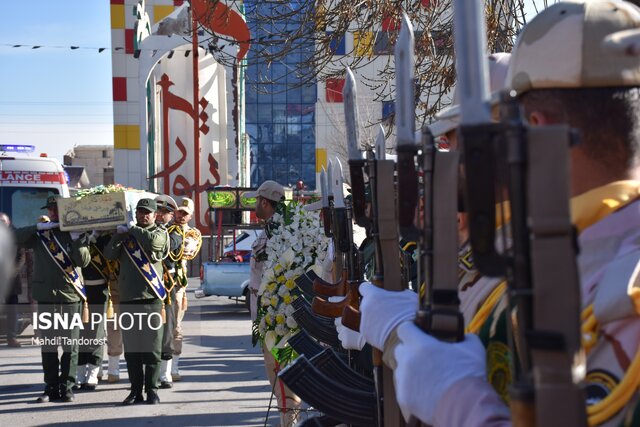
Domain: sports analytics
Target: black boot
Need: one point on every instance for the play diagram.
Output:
(49, 394)
(152, 398)
(134, 397)
(66, 394)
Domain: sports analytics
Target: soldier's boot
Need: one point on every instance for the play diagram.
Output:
(165, 374)
(100, 372)
(175, 369)
(66, 394)
(92, 377)
(113, 371)
(50, 393)
(81, 377)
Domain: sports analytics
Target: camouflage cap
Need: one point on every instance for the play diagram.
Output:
(147, 204)
(51, 201)
(565, 46)
(269, 190)
(166, 202)
(187, 206)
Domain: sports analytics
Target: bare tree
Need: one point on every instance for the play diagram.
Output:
(281, 27)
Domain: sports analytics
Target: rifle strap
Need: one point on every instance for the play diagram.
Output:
(555, 340)
(444, 289)
(388, 234)
(388, 225)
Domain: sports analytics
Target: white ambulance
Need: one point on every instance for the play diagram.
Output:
(26, 182)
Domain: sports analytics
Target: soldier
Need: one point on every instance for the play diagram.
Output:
(96, 276)
(58, 288)
(166, 209)
(140, 249)
(189, 244)
(268, 196)
(596, 91)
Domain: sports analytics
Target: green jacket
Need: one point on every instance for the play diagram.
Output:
(154, 241)
(49, 283)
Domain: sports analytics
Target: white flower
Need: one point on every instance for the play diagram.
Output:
(288, 310)
(291, 322)
(283, 291)
(281, 330)
(270, 339)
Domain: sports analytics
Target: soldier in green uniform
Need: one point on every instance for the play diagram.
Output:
(57, 286)
(140, 249)
(95, 275)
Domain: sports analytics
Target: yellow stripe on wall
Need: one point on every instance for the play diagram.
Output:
(117, 16)
(363, 43)
(321, 159)
(126, 137)
(161, 11)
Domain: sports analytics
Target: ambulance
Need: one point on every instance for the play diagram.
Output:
(26, 182)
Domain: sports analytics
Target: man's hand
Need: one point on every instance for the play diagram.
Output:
(383, 311)
(47, 225)
(427, 367)
(351, 340)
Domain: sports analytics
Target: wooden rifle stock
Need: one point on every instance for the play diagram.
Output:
(328, 289)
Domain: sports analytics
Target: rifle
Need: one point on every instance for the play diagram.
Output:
(344, 241)
(540, 266)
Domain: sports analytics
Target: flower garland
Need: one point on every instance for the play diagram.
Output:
(296, 243)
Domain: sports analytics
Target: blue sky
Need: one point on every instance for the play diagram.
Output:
(55, 98)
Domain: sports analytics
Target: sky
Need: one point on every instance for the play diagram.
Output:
(55, 98)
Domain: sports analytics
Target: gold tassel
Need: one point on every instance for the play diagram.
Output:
(110, 308)
(185, 302)
(85, 312)
(163, 314)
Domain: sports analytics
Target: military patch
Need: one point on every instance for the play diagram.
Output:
(599, 384)
(465, 259)
(499, 368)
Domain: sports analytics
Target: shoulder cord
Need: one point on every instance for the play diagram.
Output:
(176, 229)
(620, 396)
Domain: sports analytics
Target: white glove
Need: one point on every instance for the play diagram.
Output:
(47, 225)
(337, 298)
(427, 368)
(383, 311)
(75, 235)
(121, 229)
(350, 339)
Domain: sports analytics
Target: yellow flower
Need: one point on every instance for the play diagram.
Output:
(277, 268)
(271, 286)
(287, 299)
(274, 301)
(280, 279)
(268, 320)
(280, 319)
(290, 284)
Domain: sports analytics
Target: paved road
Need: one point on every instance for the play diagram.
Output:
(223, 380)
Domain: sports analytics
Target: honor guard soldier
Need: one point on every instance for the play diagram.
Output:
(140, 249)
(166, 208)
(59, 290)
(190, 242)
(96, 277)
(589, 80)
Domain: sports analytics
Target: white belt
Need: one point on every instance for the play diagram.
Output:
(95, 282)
